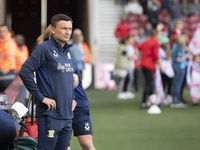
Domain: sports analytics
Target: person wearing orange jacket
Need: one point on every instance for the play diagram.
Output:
(87, 58)
(8, 50)
(22, 52)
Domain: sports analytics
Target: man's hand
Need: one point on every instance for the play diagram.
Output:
(76, 80)
(51, 104)
(74, 103)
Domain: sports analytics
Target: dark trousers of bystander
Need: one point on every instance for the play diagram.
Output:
(149, 87)
(136, 80)
(167, 82)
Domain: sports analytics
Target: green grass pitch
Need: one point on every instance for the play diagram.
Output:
(122, 125)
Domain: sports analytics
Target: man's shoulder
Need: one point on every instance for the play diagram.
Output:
(44, 46)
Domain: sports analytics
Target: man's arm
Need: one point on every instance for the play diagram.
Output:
(76, 80)
(74, 103)
(36, 59)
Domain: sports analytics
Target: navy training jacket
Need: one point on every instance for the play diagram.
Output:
(54, 70)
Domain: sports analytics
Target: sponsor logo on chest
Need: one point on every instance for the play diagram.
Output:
(65, 68)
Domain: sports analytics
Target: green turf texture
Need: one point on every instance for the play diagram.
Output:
(122, 125)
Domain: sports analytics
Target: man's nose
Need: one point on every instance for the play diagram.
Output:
(67, 31)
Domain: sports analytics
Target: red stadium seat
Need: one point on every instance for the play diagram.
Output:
(164, 16)
(186, 31)
(186, 26)
(133, 18)
(193, 26)
(194, 19)
(134, 25)
(134, 31)
(143, 19)
(185, 19)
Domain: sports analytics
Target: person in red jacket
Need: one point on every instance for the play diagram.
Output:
(22, 52)
(149, 58)
(123, 29)
(8, 51)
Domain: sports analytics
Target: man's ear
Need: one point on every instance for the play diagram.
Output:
(53, 30)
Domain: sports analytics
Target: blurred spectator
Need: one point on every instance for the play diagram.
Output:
(8, 51)
(179, 64)
(165, 30)
(159, 28)
(166, 4)
(133, 54)
(195, 8)
(86, 53)
(195, 78)
(153, 7)
(39, 40)
(177, 31)
(7, 130)
(133, 7)
(148, 29)
(124, 66)
(162, 28)
(137, 66)
(176, 12)
(149, 50)
(123, 29)
(187, 51)
(141, 36)
(186, 7)
(167, 72)
(22, 53)
(77, 49)
(47, 33)
(87, 57)
(121, 68)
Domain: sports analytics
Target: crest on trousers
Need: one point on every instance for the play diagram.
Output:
(87, 127)
(51, 133)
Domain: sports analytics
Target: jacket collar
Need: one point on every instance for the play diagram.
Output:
(58, 45)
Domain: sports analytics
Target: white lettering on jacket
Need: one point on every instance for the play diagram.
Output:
(65, 68)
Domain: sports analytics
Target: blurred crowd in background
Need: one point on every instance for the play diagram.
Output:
(154, 36)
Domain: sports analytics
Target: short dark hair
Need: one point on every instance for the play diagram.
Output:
(59, 17)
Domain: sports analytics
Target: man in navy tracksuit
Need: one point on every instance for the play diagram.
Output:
(82, 125)
(54, 90)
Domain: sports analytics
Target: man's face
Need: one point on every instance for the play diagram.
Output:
(62, 32)
(3, 31)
